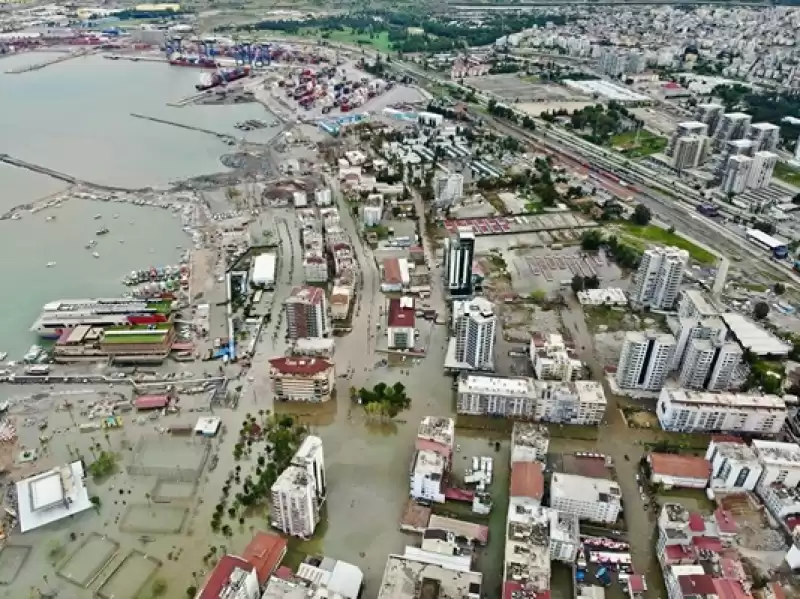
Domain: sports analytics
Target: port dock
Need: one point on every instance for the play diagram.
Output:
(40, 65)
(222, 136)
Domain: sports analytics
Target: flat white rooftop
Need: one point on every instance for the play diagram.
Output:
(753, 337)
(744, 401)
(606, 89)
(52, 496)
(495, 385)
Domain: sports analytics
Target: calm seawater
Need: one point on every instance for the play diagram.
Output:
(75, 117)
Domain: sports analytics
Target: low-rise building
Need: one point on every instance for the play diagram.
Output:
(610, 296)
(552, 360)
(408, 577)
(496, 396)
(400, 323)
(529, 442)
(674, 470)
(341, 296)
(696, 411)
(593, 499)
(264, 552)
(302, 379)
(580, 402)
(780, 462)
(392, 281)
(233, 578)
(427, 476)
(734, 465)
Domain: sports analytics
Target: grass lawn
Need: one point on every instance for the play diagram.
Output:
(380, 41)
(787, 173)
(157, 326)
(691, 499)
(656, 234)
(143, 338)
(573, 431)
(648, 143)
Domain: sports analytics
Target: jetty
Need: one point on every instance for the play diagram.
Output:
(52, 61)
(222, 136)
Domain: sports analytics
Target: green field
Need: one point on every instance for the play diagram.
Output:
(654, 234)
(648, 143)
(379, 41)
(787, 173)
(143, 338)
(158, 326)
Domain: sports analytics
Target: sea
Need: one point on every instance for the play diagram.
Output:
(75, 117)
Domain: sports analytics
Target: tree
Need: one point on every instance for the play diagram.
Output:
(159, 587)
(760, 310)
(577, 283)
(191, 591)
(779, 288)
(641, 215)
(591, 240)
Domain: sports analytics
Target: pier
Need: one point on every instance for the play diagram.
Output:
(52, 61)
(222, 136)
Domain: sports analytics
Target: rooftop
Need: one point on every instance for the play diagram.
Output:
(301, 366)
(680, 466)
(229, 570)
(401, 313)
(527, 480)
(776, 452)
(265, 552)
(50, 496)
(470, 530)
(391, 271)
(529, 442)
(495, 385)
(586, 489)
(700, 302)
(311, 295)
(745, 401)
(293, 479)
(754, 337)
(477, 308)
(336, 576)
(405, 578)
(439, 430)
(734, 450)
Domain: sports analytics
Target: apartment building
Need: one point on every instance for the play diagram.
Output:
(304, 378)
(709, 114)
(579, 402)
(732, 126)
(299, 491)
(761, 169)
(685, 129)
(474, 327)
(307, 313)
(780, 463)
(459, 251)
(696, 411)
(736, 175)
(690, 152)
(710, 364)
(658, 278)
(734, 465)
(513, 397)
(765, 136)
(427, 476)
(552, 360)
(593, 499)
(645, 360)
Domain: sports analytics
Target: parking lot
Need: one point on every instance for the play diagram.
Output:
(514, 88)
(521, 224)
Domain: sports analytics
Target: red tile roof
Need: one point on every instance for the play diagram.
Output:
(151, 402)
(400, 315)
(430, 445)
(725, 522)
(636, 583)
(265, 552)
(391, 271)
(696, 522)
(312, 295)
(696, 584)
(792, 522)
(300, 366)
(680, 466)
(284, 573)
(729, 589)
(727, 439)
(510, 587)
(221, 574)
(677, 553)
(527, 480)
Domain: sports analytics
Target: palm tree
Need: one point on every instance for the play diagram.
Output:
(147, 497)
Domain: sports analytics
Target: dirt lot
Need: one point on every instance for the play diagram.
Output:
(518, 89)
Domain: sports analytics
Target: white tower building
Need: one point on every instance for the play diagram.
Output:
(658, 279)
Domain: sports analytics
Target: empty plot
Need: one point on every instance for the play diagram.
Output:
(86, 562)
(170, 458)
(130, 577)
(12, 558)
(173, 491)
(155, 518)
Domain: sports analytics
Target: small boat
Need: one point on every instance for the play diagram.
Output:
(122, 241)
(95, 255)
(91, 244)
(102, 231)
(116, 216)
(51, 264)
(16, 216)
(51, 217)
(3, 355)
(98, 216)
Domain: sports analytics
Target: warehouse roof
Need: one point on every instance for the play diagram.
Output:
(680, 466)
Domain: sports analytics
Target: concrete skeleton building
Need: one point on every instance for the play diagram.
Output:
(645, 360)
(657, 280)
(578, 402)
(701, 411)
(299, 492)
(307, 313)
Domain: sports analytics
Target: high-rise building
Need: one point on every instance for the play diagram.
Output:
(765, 136)
(761, 169)
(689, 151)
(737, 147)
(645, 360)
(307, 313)
(459, 251)
(710, 114)
(474, 323)
(685, 129)
(737, 174)
(732, 125)
(710, 364)
(658, 278)
(449, 188)
(300, 490)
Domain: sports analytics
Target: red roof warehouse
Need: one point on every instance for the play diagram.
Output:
(265, 552)
(401, 313)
